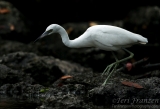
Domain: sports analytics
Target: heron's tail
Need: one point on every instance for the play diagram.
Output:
(142, 40)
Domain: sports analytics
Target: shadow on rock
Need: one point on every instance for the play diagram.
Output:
(43, 69)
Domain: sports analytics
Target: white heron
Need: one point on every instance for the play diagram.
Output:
(104, 37)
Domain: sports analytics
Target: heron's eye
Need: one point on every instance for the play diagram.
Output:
(49, 31)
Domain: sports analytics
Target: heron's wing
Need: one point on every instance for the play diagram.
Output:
(116, 38)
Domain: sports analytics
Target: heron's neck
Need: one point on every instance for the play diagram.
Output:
(64, 36)
(76, 43)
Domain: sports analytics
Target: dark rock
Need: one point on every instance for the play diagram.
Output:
(67, 101)
(22, 88)
(11, 46)
(82, 91)
(44, 69)
(4, 88)
(9, 76)
(86, 89)
(68, 96)
(8, 46)
(116, 93)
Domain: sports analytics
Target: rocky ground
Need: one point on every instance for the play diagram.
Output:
(35, 69)
(25, 74)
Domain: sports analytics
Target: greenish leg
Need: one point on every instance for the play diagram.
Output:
(108, 68)
(115, 64)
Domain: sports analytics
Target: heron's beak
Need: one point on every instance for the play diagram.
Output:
(43, 35)
(37, 39)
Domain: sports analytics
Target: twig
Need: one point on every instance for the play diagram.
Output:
(141, 67)
(130, 66)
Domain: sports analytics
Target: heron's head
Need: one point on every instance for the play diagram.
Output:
(53, 28)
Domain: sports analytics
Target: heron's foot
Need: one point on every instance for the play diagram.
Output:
(109, 70)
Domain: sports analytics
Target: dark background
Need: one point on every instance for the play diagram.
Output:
(41, 13)
(62, 11)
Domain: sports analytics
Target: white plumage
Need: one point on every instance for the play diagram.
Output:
(105, 37)
(110, 38)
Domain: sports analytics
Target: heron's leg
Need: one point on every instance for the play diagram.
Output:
(108, 68)
(114, 65)
(129, 57)
(114, 56)
(117, 63)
